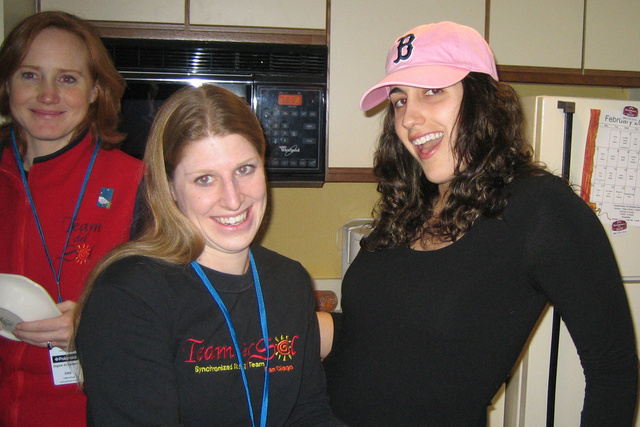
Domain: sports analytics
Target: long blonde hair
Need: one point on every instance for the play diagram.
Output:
(189, 115)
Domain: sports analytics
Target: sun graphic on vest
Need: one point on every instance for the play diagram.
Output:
(83, 253)
(284, 348)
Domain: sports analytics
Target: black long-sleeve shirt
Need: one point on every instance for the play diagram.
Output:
(156, 350)
(428, 337)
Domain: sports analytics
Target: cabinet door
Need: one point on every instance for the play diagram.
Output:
(361, 33)
(612, 36)
(166, 11)
(13, 12)
(539, 33)
(310, 14)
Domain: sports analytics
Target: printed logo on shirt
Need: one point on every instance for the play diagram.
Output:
(212, 358)
(83, 253)
(79, 253)
(79, 249)
(284, 348)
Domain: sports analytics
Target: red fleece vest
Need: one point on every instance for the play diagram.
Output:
(27, 392)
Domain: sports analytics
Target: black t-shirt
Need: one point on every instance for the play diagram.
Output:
(156, 349)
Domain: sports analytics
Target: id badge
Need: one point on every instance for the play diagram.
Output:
(65, 366)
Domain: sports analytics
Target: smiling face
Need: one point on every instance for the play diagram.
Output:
(426, 123)
(50, 93)
(220, 186)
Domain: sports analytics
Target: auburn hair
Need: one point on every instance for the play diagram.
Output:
(104, 113)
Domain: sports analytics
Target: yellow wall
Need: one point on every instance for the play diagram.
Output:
(303, 223)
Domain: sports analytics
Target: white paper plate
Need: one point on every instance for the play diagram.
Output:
(23, 300)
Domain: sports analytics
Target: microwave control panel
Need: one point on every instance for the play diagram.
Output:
(293, 120)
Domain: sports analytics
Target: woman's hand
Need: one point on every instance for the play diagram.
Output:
(55, 331)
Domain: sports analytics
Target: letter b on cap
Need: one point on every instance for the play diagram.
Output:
(405, 48)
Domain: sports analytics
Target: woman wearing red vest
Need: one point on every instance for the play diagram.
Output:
(66, 197)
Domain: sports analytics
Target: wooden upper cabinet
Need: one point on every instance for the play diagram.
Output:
(537, 33)
(309, 14)
(148, 11)
(362, 32)
(612, 35)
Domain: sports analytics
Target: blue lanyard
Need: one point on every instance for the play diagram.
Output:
(57, 274)
(234, 336)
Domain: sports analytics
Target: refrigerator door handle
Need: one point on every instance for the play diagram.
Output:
(569, 108)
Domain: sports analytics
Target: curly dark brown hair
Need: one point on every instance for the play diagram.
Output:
(489, 152)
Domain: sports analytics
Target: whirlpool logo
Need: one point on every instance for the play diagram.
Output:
(289, 150)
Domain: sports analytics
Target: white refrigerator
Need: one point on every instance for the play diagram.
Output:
(596, 143)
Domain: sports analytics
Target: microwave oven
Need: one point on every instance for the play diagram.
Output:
(285, 85)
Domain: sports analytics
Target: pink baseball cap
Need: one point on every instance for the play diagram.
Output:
(432, 56)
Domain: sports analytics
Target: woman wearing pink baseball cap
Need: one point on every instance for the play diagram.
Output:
(471, 241)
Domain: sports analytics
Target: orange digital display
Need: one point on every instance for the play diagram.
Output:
(287, 99)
